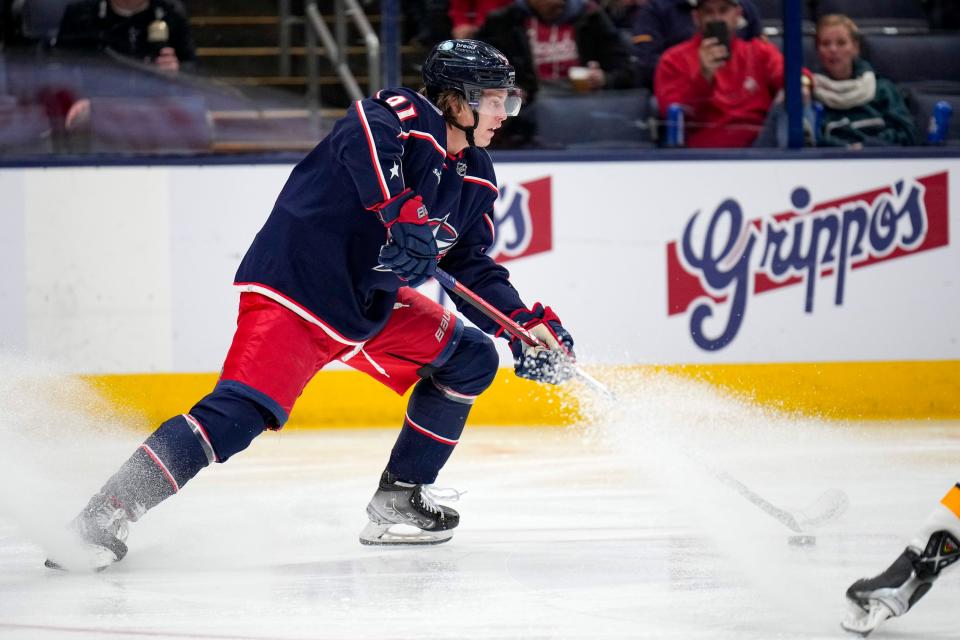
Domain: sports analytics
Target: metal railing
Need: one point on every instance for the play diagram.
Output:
(334, 47)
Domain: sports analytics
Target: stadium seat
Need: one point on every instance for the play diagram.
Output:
(23, 129)
(142, 125)
(41, 19)
(893, 16)
(771, 15)
(605, 119)
(809, 49)
(921, 106)
(933, 57)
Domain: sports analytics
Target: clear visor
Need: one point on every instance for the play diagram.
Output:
(494, 102)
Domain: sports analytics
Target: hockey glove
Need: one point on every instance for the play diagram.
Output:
(551, 365)
(411, 249)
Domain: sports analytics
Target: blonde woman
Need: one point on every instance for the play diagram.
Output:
(860, 109)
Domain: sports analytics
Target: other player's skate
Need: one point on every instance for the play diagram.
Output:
(402, 513)
(102, 527)
(896, 590)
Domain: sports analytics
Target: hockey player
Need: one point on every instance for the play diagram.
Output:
(401, 183)
(896, 590)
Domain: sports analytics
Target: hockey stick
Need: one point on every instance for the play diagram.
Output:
(509, 325)
(828, 506)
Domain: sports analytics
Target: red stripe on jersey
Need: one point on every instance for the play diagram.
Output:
(373, 151)
(489, 221)
(163, 467)
(428, 433)
(481, 181)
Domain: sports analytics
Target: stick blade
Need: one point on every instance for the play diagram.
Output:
(831, 504)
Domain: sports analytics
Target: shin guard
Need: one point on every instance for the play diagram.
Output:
(431, 429)
(166, 460)
(438, 409)
(220, 425)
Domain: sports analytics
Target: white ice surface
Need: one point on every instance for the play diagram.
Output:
(616, 528)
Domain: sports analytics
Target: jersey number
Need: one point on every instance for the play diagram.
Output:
(404, 113)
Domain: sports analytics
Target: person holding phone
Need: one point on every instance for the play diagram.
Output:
(725, 85)
(657, 25)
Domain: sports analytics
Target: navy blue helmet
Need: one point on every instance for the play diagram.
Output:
(469, 67)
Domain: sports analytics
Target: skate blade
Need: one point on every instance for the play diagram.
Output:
(401, 535)
(96, 559)
(865, 623)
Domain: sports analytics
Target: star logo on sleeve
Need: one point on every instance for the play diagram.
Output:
(394, 171)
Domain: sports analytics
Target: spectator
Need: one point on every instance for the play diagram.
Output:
(661, 24)
(725, 90)
(544, 39)
(467, 16)
(860, 109)
(154, 31)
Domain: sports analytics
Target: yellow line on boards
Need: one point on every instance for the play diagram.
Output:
(332, 399)
(832, 390)
(907, 390)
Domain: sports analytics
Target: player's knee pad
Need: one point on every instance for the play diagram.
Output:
(227, 421)
(471, 368)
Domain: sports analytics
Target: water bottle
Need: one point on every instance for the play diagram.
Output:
(939, 128)
(675, 126)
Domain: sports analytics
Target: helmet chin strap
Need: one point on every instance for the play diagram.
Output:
(468, 130)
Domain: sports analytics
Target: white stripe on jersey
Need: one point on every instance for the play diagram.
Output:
(481, 181)
(373, 151)
(423, 135)
(281, 299)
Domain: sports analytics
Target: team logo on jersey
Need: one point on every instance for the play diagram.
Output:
(445, 234)
(723, 261)
(522, 220)
(461, 169)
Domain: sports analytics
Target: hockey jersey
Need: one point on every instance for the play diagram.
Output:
(317, 252)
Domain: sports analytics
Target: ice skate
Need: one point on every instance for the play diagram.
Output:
(895, 591)
(102, 527)
(406, 514)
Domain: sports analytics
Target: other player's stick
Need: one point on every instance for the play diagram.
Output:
(509, 325)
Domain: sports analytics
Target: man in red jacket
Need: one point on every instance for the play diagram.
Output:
(725, 84)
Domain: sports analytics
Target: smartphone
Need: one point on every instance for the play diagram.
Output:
(718, 29)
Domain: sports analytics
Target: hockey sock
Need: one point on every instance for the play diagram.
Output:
(173, 454)
(431, 430)
(944, 517)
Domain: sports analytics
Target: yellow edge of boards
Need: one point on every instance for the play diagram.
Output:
(909, 390)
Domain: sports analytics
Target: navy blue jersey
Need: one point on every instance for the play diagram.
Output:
(317, 252)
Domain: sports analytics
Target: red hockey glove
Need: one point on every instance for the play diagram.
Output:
(411, 248)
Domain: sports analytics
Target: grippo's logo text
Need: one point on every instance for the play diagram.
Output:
(724, 260)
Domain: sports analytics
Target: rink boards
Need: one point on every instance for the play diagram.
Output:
(827, 286)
